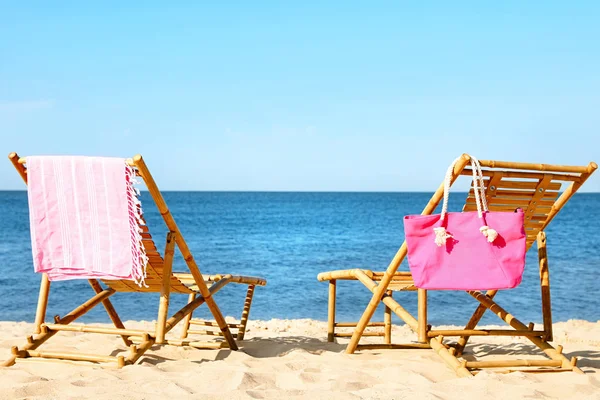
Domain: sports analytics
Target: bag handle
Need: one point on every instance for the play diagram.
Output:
(441, 235)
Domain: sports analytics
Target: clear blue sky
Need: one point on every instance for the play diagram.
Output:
(279, 96)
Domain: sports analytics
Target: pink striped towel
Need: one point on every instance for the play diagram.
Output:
(85, 215)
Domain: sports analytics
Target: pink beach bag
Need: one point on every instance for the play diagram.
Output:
(477, 250)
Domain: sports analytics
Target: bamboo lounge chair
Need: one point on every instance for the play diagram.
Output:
(509, 185)
(160, 279)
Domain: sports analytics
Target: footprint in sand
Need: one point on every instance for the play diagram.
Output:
(257, 381)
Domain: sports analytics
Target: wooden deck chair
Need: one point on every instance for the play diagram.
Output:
(509, 185)
(200, 288)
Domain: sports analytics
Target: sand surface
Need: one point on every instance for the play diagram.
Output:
(290, 359)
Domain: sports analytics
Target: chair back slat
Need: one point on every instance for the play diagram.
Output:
(154, 271)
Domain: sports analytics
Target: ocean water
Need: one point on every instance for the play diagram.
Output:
(289, 238)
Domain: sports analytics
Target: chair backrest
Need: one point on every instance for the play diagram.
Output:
(535, 188)
(154, 268)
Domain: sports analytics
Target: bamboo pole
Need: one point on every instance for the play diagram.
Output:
(422, 315)
(475, 318)
(528, 175)
(393, 346)
(349, 334)
(246, 280)
(179, 315)
(533, 166)
(40, 312)
(348, 274)
(139, 163)
(484, 332)
(165, 290)
(94, 329)
(211, 323)
(515, 323)
(395, 263)
(245, 313)
(15, 160)
(196, 344)
(188, 317)
(54, 361)
(87, 306)
(71, 356)
(387, 322)
(138, 351)
(448, 358)
(528, 371)
(353, 324)
(331, 311)
(513, 363)
(207, 333)
(545, 285)
(188, 308)
(345, 274)
(110, 310)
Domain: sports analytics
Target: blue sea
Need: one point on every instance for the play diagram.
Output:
(289, 238)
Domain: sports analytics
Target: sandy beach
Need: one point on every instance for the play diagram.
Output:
(290, 359)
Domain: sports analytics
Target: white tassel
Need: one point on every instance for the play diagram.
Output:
(441, 236)
(489, 233)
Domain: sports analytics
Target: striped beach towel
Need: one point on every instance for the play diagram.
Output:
(85, 218)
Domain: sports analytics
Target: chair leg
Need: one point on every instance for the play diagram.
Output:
(40, 313)
(331, 311)
(110, 310)
(545, 285)
(449, 358)
(165, 289)
(387, 322)
(220, 320)
(188, 318)
(245, 312)
(422, 315)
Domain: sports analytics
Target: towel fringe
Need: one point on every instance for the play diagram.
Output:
(140, 259)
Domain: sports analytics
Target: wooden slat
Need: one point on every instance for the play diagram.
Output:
(491, 188)
(536, 204)
(526, 185)
(472, 207)
(527, 175)
(534, 167)
(523, 203)
(349, 334)
(353, 324)
(72, 356)
(514, 184)
(548, 195)
(513, 363)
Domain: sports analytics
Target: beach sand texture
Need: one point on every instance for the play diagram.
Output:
(290, 359)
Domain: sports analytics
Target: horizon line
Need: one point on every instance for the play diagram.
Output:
(295, 191)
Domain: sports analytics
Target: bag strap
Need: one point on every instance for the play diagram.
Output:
(441, 234)
(478, 187)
